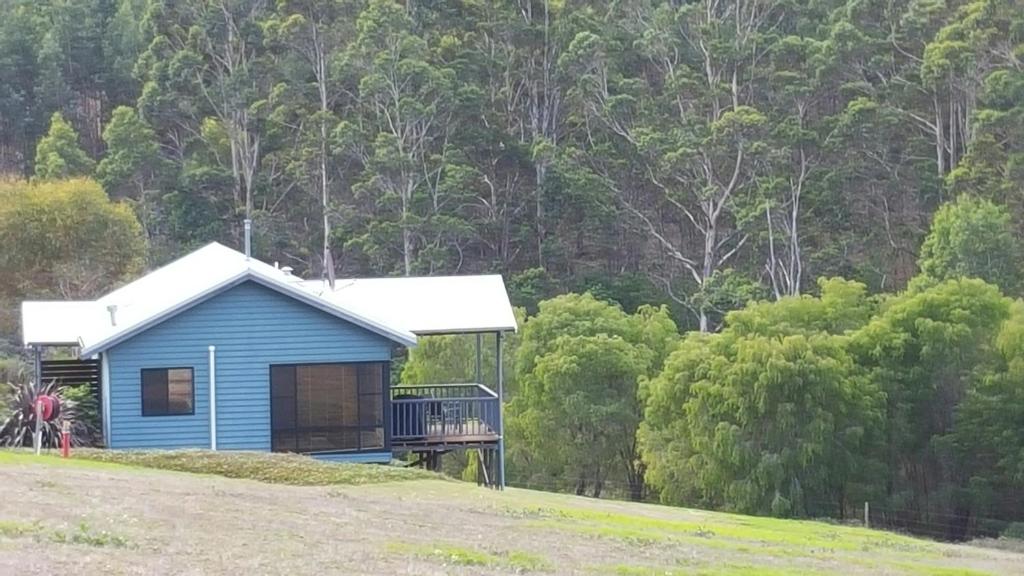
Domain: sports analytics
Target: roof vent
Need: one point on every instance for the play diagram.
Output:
(287, 270)
(112, 308)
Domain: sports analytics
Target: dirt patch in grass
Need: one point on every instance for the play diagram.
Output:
(150, 521)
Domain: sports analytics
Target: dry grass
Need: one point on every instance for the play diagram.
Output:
(90, 516)
(291, 469)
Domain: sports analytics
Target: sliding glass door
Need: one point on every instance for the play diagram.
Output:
(327, 407)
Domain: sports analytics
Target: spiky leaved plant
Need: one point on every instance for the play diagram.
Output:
(20, 422)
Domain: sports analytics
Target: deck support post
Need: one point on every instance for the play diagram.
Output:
(479, 357)
(38, 361)
(501, 409)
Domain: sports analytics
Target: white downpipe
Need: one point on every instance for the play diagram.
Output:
(105, 395)
(213, 397)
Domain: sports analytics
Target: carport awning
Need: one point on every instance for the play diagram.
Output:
(57, 323)
(427, 304)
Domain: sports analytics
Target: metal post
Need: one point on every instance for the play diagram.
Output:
(248, 238)
(38, 360)
(37, 436)
(501, 408)
(479, 358)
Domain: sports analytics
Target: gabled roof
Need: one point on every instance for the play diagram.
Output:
(429, 304)
(169, 290)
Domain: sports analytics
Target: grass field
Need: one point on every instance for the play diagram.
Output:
(99, 517)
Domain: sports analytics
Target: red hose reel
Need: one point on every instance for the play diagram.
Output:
(48, 410)
(48, 407)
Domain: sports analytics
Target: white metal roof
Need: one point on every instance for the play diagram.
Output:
(429, 304)
(397, 308)
(168, 290)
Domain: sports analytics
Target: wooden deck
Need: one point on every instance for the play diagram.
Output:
(441, 436)
(425, 418)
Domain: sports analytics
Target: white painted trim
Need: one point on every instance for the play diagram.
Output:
(213, 397)
(105, 393)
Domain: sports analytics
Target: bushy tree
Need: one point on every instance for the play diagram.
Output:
(65, 239)
(131, 156)
(988, 428)
(973, 238)
(925, 351)
(58, 154)
(575, 417)
(770, 416)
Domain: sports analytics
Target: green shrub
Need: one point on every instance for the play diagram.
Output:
(18, 421)
(1015, 531)
(87, 412)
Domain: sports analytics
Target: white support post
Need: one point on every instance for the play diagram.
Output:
(501, 417)
(37, 436)
(213, 397)
(105, 395)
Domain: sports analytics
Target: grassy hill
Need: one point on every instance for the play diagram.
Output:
(91, 516)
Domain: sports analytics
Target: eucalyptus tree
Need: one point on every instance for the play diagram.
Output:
(314, 34)
(683, 97)
(206, 61)
(132, 156)
(398, 131)
(59, 154)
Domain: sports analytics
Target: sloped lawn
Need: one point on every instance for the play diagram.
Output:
(291, 469)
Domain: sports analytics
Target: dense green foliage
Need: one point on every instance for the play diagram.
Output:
(767, 417)
(698, 154)
(62, 239)
(18, 420)
(807, 407)
(973, 238)
(577, 409)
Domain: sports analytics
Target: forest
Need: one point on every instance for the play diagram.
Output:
(767, 252)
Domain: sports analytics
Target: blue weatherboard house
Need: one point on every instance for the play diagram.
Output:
(218, 350)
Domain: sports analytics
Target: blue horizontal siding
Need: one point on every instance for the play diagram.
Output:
(252, 328)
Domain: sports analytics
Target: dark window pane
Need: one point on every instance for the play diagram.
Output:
(282, 409)
(282, 381)
(327, 407)
(371, 378)
(371, 410)
(154, 392)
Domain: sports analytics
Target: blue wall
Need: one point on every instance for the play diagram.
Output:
(252, 327)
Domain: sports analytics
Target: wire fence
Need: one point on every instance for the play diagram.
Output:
(933, 524)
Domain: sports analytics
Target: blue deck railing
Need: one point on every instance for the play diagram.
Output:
(444, 414)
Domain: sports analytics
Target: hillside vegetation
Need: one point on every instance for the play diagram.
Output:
(767, 253)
